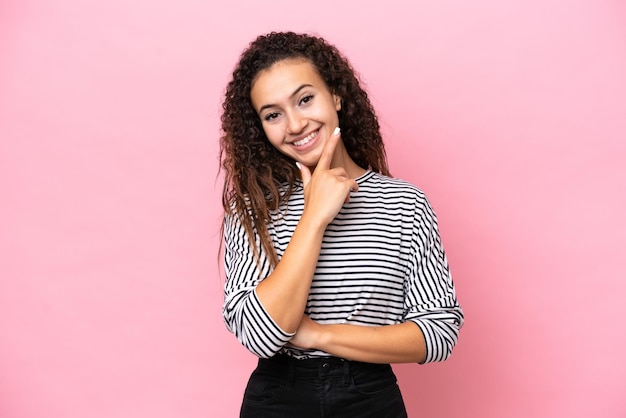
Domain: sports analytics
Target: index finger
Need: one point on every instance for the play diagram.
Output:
(329, 150)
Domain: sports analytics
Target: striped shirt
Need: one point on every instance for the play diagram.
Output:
(381, 263)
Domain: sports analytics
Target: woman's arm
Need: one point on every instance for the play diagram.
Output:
(430, 327)
(264, 307)
(400, 343)
(285, 291)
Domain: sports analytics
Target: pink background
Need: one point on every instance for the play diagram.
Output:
(511, 115)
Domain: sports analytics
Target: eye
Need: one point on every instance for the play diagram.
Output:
(306, 99)
(271, 116)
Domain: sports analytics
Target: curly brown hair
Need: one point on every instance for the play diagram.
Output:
(259, 178)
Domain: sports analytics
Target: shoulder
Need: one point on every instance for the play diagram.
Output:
(390, 186)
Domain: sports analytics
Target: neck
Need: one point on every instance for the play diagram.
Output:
(342, 159)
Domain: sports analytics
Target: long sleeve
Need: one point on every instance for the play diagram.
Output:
(430, 297)
(381, 263)
(243, 312)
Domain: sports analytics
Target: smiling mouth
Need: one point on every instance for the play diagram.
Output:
(306, 139)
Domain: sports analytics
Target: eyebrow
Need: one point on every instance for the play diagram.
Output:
(291, 96)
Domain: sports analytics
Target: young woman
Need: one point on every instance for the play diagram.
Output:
(334, 269)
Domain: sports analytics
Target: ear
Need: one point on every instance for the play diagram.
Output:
(337, 100)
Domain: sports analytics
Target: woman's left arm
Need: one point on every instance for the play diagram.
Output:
(399, 343)
(430, 327)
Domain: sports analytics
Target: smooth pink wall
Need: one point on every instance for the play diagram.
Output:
(509, 114)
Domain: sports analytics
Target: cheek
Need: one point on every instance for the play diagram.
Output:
(325, 115)
(273, 133)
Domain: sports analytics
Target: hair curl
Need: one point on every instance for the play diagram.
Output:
(256, 173)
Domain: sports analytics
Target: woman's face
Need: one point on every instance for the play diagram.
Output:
(297, 110)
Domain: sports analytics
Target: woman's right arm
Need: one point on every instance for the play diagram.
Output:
(265, 313)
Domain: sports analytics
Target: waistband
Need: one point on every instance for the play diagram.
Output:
(319, 366)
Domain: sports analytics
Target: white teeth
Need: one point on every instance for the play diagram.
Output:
(306, 139)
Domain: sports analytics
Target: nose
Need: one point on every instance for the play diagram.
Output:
(295, 122)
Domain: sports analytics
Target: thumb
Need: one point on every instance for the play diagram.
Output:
(305, 173)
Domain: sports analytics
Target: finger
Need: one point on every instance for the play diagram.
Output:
(353, 188)
(305, 173)
(329, 149)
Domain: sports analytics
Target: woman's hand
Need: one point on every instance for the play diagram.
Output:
(307, 335)
(327, 189)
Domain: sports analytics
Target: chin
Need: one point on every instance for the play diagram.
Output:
(309, 162)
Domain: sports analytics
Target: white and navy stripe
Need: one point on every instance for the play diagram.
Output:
(381, 263)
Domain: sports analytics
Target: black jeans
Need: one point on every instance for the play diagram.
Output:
(284, 387)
